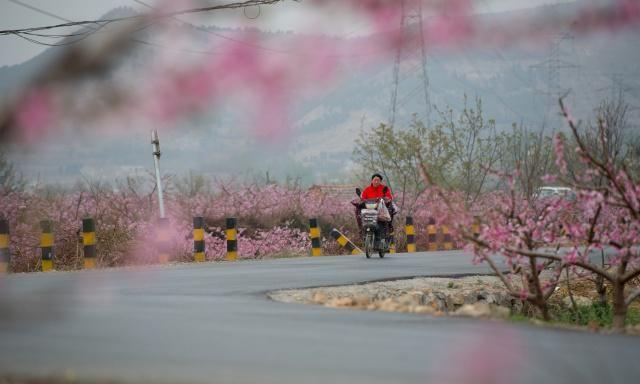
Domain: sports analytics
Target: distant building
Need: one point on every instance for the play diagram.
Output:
(339, 191)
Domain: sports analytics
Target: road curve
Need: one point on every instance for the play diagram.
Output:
(213, 323)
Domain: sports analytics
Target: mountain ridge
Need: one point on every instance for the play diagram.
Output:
(511, 83)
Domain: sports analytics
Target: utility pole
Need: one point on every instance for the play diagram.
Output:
(155, 143)
(412, 42)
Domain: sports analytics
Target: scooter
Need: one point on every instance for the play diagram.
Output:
(374, 230)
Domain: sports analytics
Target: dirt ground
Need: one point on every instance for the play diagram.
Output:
(585, 287)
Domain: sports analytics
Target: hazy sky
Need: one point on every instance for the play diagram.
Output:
(288, 15)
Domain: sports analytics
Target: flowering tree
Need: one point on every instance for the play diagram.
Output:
(531, 152)
(10, 179)
(273, 220)
(555, 233)
(612, 207)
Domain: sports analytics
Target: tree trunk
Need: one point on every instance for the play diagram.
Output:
(535, 289)
(544, 308)
(538, 300)
(619, 307)
(600, 287)
(602, 290)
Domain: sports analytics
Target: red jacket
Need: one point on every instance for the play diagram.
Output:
(372, 192)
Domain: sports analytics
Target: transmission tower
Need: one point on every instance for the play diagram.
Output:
(556, 68)
(619, 85)
(412, 44)
(620, 88)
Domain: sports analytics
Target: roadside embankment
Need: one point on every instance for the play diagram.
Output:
(473, 296)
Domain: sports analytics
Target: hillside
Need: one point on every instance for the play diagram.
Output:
(512, 82)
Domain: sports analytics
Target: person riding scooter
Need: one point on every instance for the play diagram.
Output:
(376, 190)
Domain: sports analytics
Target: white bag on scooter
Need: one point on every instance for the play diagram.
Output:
(383, 212)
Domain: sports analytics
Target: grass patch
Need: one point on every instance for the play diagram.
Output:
(590, 315)
(519, 318)
(595, 313)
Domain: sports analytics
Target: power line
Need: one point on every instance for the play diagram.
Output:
(41, 11)
(504, 31)
(206, 30)
(498, 97)
(31, 36)
(81, 35)
(55, 16)
(263, 48)
(84, 35)
(156, 17)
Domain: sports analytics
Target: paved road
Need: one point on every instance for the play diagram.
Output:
(212, 323)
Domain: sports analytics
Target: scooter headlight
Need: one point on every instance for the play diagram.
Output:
(370, 205)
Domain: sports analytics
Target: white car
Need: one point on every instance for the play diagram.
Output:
(565, 192)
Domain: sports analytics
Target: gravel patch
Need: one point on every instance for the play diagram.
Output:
(473, 296)
(477, 296)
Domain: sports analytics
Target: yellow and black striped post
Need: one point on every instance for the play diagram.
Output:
(563, 230)
(46, 244)
(475, 228)
(314, 233)
(163, 240)
(5, 256)
(198, 239)
(446, 238)
(89, 242)
(432, 238)
(232, 239)
(345, 242)
(411, 234)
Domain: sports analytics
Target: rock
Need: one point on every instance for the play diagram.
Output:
(515, 305)
(506, 300)
(319, 297)
(411, 298)
(500, 312)
(340, 302)
(422, 309)
(417, 295)
(479, 295)
(473, 310)
(581, 301)
(443, 301)
(470, 298)
(362, 300)
(435, 302)
(482, 309)
(388, 305)
(457, 299)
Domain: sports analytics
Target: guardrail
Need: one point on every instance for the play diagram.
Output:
(345, 242)
(438, 237)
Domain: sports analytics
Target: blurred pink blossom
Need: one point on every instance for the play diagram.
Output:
(35, 113)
